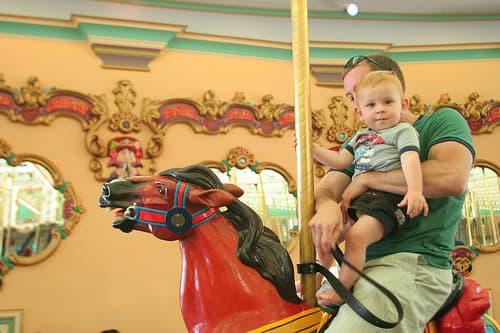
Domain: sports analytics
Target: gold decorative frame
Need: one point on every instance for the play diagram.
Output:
(334, 126)
(34, 105)
(210, 116)
(482, 116)
(73, 208)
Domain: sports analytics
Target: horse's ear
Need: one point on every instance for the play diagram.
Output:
(234, 189)
(211, 198)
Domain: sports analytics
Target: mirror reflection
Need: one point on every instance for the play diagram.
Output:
(481, 212)
(37, 208)
(268, 189)
(268, 194)
(30, 208)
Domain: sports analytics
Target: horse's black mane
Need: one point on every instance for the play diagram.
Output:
(258, 246)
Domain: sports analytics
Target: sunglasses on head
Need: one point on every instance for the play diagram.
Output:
(356, 60)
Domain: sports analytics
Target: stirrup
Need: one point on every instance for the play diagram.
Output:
(332, 309)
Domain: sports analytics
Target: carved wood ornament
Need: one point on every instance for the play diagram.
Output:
(35, 105)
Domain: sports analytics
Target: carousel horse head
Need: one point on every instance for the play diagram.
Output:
(169, 205)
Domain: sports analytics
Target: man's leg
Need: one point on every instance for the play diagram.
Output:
(420, 288)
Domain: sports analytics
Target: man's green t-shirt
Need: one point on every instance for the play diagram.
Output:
(431, 236)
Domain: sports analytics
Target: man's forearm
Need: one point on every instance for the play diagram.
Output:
(330, 188)
(327, 223)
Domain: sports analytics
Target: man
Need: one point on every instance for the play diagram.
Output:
(414, 263)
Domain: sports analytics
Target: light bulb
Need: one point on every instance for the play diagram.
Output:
(352, 9)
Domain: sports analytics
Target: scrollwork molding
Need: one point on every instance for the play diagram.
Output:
(208, 115)
(34, 105)
(332, 127)
(481, 115)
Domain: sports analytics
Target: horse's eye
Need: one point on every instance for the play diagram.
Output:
(161, 189)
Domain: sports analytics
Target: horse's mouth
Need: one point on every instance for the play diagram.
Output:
(121, 222)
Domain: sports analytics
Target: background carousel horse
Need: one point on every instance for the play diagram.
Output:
(236, 276)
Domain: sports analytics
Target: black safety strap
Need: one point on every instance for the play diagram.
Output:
(347, 296)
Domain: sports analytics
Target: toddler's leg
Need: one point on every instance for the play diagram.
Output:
(365, 231)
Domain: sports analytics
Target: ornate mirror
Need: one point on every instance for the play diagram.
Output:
(269, 190)
(37, 208)
(481, 212)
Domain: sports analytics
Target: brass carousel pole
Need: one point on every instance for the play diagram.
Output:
(300, 48)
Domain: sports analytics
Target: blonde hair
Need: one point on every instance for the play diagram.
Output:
(376, 78)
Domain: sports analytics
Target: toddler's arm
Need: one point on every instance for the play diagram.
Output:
(414, 197)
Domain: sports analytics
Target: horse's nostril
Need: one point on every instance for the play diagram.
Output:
(106, 191)
(130, 213)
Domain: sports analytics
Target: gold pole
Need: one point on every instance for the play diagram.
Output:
(300, 48)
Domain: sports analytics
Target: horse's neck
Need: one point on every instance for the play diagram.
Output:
(210, 249)
(211, 275)
(218, 292)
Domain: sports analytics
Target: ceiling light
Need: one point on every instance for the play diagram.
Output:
(352, 9)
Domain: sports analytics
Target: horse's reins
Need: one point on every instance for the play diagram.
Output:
(177, 219)
(347, 296)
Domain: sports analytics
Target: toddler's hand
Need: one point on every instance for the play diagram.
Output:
(416, 204)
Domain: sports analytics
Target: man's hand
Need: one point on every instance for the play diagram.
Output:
(326, 228)
(326, 225)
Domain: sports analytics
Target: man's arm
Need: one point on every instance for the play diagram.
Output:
(327, 223)
(445, 173)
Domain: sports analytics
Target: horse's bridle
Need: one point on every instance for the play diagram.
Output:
(177, 219)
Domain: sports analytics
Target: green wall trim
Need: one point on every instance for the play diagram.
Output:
(230, 48)
(212, 7)
(127, 32)
(491, 53)
(38, 30)
(412, 56)
(84, 29)
(327, 53)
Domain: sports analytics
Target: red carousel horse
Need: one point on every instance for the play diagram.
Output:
(236, 276)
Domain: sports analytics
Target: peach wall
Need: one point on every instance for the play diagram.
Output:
(101, 278)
